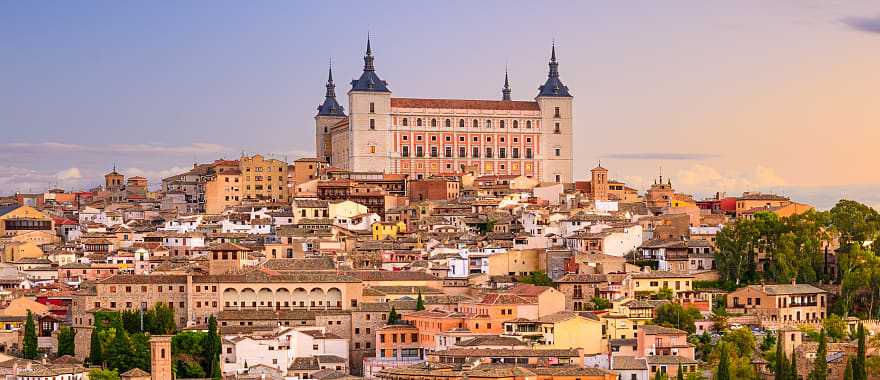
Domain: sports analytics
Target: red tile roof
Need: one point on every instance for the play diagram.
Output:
(465, 104)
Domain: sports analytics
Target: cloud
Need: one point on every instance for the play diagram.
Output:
(662, 156)
(863, 24)
(69, 174)
(197, 148)
(706, 179)
(153, 176)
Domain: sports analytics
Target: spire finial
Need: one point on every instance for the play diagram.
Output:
(554, 66)
(553, 51)
(330, 71)
(368, 58)
(505, 92)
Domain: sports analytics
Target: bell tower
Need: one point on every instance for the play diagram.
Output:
(555, 103)
(330, 113)
(599, 183)
(160, 357)
(369, 101)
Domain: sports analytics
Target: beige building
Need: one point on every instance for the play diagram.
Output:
(263, 179)
(223, 190)
(780, 302)
(425, 137)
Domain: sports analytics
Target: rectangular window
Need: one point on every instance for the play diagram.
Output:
(514, 153)
(475, 152)
(404, 151)
(529, 153)
(420, 151)
(488, 152)
(433, 151)
(447, 152)
(372, 123)
(462, 152)
(373, 107)
(557, 152)
(502, 152)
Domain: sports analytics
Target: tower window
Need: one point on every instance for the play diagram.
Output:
(488, 123)
(558, 179)
(372, 123)
(558, 152)
(373, 107)
(419, 122)
(461, 123)
(501, 124)
(372, 149)
(448, 123)
(556, 114)
(528, 124)
(516, 123)
(433, 122)
(556, 128)
(405, 122)
(476, 123)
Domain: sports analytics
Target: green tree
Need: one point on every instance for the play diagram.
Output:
(160, 320)
(660, 375)
(66, 341)
(735, 255)
(118, 355)
(820, 365)
(680, 374)
(854, 222)
(131, 321)
(722, 372)
(860, 369)
(835, 328)
(103, 374)
(537, 278)
(213, 348)
(780, 370)
(742, 341)
(420, 303)
(601, 304)
(29, 342)
(792, 369)
(665, 293)
(393, 317)
(673, 315)
(848, 373)
(96, 356)
(189, 370)
(768, 342)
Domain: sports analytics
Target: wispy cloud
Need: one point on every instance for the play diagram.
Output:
(197, 148)
(704, 178)
(863, 24)
(16, 179)
(662, 156)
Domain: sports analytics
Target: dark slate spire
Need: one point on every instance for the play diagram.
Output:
(330, 107)
(505, 92)
(553, 86)
(369, 81)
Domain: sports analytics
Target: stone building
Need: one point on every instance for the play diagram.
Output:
(424, 137)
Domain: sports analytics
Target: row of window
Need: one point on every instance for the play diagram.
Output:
(462, 138)
(462, 152)
(461, 123)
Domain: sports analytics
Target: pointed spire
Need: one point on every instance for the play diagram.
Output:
(368, 58)
(331, 87)
(505, 92)
(330, 107)
(553, 86)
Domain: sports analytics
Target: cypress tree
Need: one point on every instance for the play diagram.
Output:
(781, 369)
(420, 303)
(393, 317)
(820, 365)
(96, 356)
(680, 375)
(723, 371)
(848, 373)
(29, 343)
(793, 372)
(213, 348)
(860, 372)
(67, 341)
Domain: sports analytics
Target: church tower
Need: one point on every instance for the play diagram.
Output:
(555, 103)
(160, 357)
(599, 183)
(329, 114)
(505, 92)
(369, 120)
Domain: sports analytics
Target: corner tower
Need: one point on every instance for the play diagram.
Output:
(369, 121)
(329, 113)
(555, 103)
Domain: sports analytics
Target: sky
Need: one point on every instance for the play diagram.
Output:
(732, 96)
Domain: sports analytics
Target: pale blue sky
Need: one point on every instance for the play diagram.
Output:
(744, 95)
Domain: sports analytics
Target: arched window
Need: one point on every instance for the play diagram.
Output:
(405, 122)
(476, 123)
(461, 123)
(516, 123)
(488, 123)
(528, 124)
(433, 122)
(501, 124)
(448, 123)
(419, 122)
